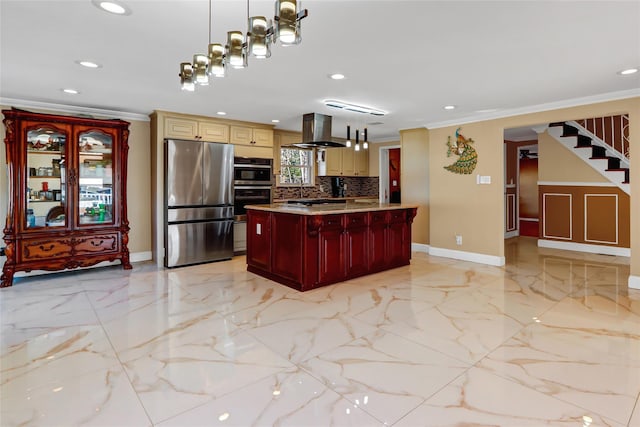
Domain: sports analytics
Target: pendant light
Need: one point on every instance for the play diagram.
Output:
(348, 143)
(236, 52)
(287, 22)
(365, 143)
(260, 35)
(357, 147)
(187, 82)
(217, 65)
(201, 69)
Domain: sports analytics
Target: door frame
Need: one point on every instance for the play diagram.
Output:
(383, 172)
(524, 147)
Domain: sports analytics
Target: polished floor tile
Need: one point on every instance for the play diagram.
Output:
(551, 338)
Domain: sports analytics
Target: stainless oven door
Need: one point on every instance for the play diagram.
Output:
(249, 195)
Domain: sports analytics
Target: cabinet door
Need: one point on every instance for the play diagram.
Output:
(361, 163)
(378, 230)
(396, 252)
(263, 137)
(213, 132)
(357, 248)
(333, 158)
(259, 239)
(240, 135)
(348, 161)
(95, 193)
(45, 193)
(287, 258)
(331, 250)
(180, 128)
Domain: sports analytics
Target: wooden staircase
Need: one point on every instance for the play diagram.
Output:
(610, 163)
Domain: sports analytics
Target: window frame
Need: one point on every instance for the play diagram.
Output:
(310, 167)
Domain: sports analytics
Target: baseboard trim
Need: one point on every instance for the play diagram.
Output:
(584, 247)
(140, 256)
(510, 234)
(419, 247)
(634, 282)
(467, 256)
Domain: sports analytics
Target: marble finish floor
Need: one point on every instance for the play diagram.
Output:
(552, 338)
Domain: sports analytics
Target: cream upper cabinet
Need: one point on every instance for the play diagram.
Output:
(333, 158)
(348, 155)
(181, 128)
(243, 135)
(346, 162)
(361, 163)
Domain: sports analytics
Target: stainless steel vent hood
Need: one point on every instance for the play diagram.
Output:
(316, 132)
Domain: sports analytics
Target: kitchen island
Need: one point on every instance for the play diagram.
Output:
(306, 245)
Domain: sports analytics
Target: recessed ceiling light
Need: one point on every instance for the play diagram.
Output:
(70, 91)
(336, 76)
(114, 7)
(275, 121)
(88, 64)
(628, 71)
(221, 113)
(449, 107)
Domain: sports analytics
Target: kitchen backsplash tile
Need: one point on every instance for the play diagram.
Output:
(356, 187)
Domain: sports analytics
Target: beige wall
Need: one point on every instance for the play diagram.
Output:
(138, 187)
(414, 179)
(558, 164)
(374, 155)
(459, 206)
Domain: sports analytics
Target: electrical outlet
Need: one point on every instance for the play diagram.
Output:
(458, 240)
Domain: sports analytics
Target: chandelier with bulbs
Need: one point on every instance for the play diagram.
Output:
(261, 33)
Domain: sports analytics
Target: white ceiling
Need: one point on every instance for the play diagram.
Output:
(409, 58)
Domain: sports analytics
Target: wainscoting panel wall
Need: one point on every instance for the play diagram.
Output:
(557, 215)
(585, 214)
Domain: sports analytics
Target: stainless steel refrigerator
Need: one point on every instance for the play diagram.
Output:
(199, 197)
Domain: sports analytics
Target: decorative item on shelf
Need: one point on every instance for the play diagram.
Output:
(468, 158)
(260, 35)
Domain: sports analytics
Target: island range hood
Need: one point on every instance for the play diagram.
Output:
(316, 132)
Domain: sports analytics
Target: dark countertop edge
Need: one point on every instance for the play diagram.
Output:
(330, 209)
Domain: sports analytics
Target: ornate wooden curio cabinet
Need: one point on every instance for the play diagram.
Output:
(67, 199)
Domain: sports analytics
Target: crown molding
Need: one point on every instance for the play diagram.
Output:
(575, 102)
(74, 109)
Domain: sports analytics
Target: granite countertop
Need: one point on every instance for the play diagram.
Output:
(332, 198)
(329, 208)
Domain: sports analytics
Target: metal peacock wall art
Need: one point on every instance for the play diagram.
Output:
(468, 158)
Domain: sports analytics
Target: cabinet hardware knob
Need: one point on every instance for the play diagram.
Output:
(42, 248)
(93, 243)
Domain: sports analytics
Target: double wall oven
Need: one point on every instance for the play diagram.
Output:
(252, 181)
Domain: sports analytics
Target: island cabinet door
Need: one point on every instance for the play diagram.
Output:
(259, 239)
(287, 254)
(356, 241)
(378, 231)
(331, 250)
(396, 253)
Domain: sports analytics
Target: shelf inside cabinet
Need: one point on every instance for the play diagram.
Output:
(44, 152)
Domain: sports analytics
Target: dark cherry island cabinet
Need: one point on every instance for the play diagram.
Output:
(67, 200)
(309, 247)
